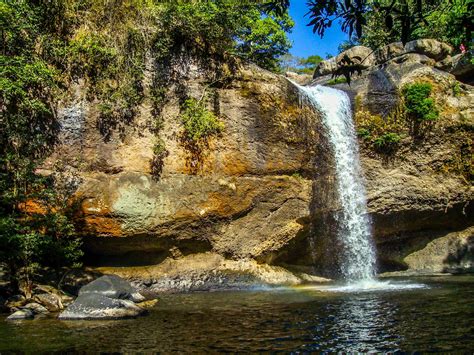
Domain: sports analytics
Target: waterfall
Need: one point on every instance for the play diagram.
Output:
(354, 230)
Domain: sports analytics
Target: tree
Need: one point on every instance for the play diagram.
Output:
(249, 30)
(43, 235)
(404, 19)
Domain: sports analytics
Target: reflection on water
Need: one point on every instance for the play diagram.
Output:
(364, 325)
(438, 318)
(367, 285)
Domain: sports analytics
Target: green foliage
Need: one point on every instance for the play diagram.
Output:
(199, 123)
(29, 90)
(387, 141)
(419, 105)
(223, 27)
(336, 81)
(456, 88)
(445, 20)
(29, 245)
(89, 56)
(159, 154)
(383, 134)
(404, 20)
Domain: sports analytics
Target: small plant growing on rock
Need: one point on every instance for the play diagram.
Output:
(387, 142)
(383, 134)
(159, 154)
(420, 107)
(199, 123)
(336, 81)
(456, 89)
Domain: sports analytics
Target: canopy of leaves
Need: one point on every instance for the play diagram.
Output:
(378, 22)
(247, 29)
(450, 21)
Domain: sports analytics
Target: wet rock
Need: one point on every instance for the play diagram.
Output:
(450, 253)
(52, 302)
(21, 314)
(36, 308)
(209, 271)
(148, 304)
(98, 306)
(112, 286)
(15, 301)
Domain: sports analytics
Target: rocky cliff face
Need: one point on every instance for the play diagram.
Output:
(415, 195)
(259, 195)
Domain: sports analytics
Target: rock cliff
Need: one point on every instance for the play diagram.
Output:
(260, 195)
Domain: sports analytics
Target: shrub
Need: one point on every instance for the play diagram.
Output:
(456, 89)
(419, 105)
(199, 123)
(382, 134)
(420, 108)
(387, 142)
(159, 154)
(336, 81)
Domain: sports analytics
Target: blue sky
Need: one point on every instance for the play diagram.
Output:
(305, 43)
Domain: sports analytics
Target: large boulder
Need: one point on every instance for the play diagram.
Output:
(423, 51)
(112, 286)
(36, 308)
(97, 306)
(325, 67)
(462, 68)
(388, 52)
(429, 47)
(358, 55)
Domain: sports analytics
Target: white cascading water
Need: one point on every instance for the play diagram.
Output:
(354, 229)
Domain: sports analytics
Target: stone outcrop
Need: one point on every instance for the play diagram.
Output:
(246, 195)
(429, 52)
(112, 286)
(108, 297)
(415, 191)
(96, 306)
(21, 315)
(250, 205)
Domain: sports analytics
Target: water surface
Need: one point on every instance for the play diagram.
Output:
(436, 317)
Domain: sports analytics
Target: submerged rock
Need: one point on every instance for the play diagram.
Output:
(21, 314)
(98, 306)
(112, 286)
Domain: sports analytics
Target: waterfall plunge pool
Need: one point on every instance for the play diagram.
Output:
(437, 317)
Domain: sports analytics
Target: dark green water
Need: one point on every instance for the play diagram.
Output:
(437, 318)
